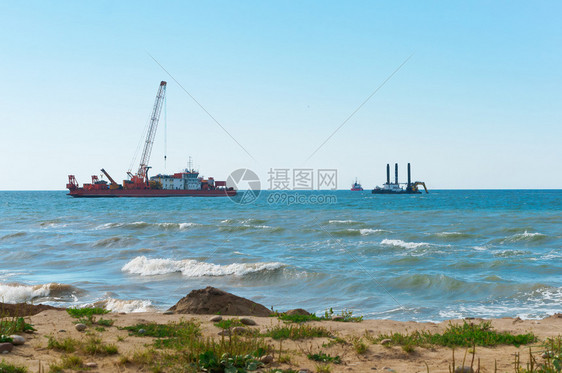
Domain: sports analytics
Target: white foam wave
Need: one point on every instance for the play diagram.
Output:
(142, 224)
(525, 236)
(368, 231)
(404, 244)
(127, 306)
(341, 221)
(144, 266)
(19, 293)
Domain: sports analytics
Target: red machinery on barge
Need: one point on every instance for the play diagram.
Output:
(187, 183)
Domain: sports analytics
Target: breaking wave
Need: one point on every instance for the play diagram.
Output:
(142, 225)
(144, 266)
(127, 306)
(404, 244)
(358, 232)
(248, 227)
(19, 293)
(526, 237)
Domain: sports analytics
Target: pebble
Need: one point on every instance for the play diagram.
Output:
(266, 359)
(17, 340)
(141, 331)
(225, 333)
(215, 318)
(91, 365)
(80, 327)
(168, 312)
(337, 318)
(386, 341)
(62, 331)
(247, 321)
(6, 347)
(238, 330)
(464, 369)
(305, 371)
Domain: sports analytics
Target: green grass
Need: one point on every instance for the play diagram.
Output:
(95, 346)
(11, 368)
(179, 346)
(105, 322)
(92, 346)
(550, 362)
(86, 312)
(67, 362)
(345, 316)
(228, 323)
(65, 345)
(323, 358)
(296, 332)
(299, 318)
(14, 325)
(459, 335)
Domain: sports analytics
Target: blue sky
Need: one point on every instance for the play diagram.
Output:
(476, 106)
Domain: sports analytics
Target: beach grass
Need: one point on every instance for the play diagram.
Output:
(296, 332)
(86, 312)
(11, 368)
(329, 315)
(181, 346)
(324, 358)
(458, 335)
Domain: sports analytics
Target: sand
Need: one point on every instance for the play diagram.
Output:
(59, 324)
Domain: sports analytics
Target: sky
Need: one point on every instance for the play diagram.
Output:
(476, 105)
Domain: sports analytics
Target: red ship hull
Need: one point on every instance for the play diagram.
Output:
(81, 193)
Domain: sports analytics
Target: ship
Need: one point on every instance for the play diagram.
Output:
(356, 187)
(396, 188)
(186, 183)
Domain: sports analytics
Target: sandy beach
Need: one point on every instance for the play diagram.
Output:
(58, 324)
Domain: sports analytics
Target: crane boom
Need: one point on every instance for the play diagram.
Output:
(154, 118)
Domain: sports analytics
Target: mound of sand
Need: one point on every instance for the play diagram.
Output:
(23, 309)
(213, 301)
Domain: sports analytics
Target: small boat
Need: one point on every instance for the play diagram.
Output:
(356, 187)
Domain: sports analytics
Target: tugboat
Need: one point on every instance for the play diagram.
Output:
(395, 188)
(356, 187)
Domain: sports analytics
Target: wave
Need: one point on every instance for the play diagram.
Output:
(19, 293)
(52, 223)
(358, 232)
(12, 235)
(127, 306)
(144, 266)
(511, 253)
(115, 242)
(404, 244)
(451, 236)
(243, 221)
(142, 225)
(246, 227)
(526, 236)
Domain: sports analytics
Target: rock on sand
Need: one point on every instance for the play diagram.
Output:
(211, 300)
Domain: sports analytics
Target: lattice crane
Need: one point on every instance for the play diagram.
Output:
(142, 173)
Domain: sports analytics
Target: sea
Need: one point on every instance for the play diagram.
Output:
(429, 257)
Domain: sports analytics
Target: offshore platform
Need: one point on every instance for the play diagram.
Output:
(396, 188)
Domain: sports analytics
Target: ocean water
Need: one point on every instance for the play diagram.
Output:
(443, 255)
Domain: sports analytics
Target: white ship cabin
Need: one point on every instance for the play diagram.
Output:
(179, 181)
